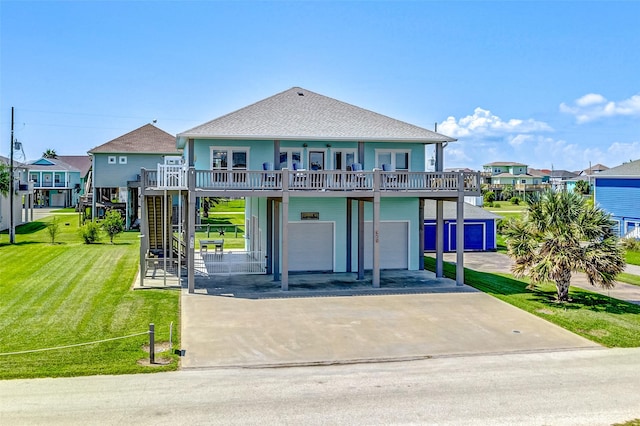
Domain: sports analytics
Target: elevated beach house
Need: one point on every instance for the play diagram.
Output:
(329, 187)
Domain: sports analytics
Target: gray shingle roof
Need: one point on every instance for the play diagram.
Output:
(299, 114)
(450, 211)
(631, 168)
(147, 139)
(57, 165)
(503, 163)
(80, 162)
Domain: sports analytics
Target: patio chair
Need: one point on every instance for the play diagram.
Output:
(268, 179)
(389, 179)
(358, 176)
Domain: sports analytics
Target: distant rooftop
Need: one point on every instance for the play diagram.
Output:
(504, 164)
(147, 139)
(629, 169)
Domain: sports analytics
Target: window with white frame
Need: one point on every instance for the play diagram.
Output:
(111, 159)
(122, 159)
(289, 157)
(33, 177)
(399, 159)
(631, 225)
(229, 158)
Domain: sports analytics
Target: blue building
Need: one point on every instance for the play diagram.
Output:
(617, 190)
(480, 228)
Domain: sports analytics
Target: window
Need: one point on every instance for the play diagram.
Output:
(111, 159)
(343, 159)
(290, 156)
(220, 158)
(33, 177)
(122, 160)
(399, 159)
(56, 178)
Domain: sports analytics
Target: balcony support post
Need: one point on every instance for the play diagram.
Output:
(421, 234)
(376, 229)
(460, 232)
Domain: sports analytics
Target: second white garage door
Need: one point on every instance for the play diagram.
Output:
(311, 246)
(394, 245)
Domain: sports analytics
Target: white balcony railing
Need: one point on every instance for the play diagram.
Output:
(171, 176)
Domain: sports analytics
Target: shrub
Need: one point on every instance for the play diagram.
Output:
(515, 200)
(90, 232)
(631, 244)
(489, 197)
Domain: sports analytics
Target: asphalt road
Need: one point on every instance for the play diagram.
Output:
(589, 387)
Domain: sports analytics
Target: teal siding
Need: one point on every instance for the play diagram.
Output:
(107, 175)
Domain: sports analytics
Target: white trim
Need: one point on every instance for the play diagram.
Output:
(122, 159)
(453, 239)
(111, 159)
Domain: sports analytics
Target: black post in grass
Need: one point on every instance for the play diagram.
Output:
(152, 349)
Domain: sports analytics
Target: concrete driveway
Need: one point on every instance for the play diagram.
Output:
(247, 321)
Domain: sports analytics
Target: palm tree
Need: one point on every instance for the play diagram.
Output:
(50, 153)
(561, 234)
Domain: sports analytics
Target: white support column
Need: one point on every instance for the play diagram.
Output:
(439, 238)
(460, 232)
(284, 283)
(191, 230)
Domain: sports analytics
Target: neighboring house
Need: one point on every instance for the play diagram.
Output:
(116, 166)
(82, 163)
(329, 187)
(617, 191)
(55, 183)
(558, 179)
(499, 174)
(480, 228)
(22, 197)
(587, 175)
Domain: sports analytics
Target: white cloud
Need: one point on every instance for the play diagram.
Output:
(593, 106)
(483, 122)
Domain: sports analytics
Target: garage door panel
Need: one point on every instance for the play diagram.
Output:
(394, 246)
(473, 236)
(311, 246)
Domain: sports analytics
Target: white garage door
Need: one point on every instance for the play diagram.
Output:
(311, 246)
(394, 245)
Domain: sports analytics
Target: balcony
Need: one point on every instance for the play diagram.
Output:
(305, 182)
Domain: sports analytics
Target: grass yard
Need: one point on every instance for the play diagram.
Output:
(605, 320)
(228, 216)
(632, 257)
(69, 293)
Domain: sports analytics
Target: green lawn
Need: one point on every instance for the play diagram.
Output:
(607, 321)
(632, 257)
(70, 293)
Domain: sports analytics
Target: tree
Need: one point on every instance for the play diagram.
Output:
(507, 192)
(489, 197)
(90, 232)
(561, 234)
(50, 153)
(113, 224)
(5, 179)
(53, 229)
(582, 187)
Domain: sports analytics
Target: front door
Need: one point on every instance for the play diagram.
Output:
(316, 160)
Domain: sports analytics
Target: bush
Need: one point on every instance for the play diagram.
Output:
(90, 232)
(489, 197)
(515, 200)
(631, 244)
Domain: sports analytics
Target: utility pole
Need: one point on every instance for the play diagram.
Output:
(12, 229)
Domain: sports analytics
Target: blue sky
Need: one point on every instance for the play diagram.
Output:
(549, 84)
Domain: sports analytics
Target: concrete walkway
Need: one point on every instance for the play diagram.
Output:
(247, 321)
(498, 262)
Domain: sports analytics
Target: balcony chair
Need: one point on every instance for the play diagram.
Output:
(268, 179)
(389, 180)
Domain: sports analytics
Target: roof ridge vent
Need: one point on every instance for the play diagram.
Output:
(300, 94)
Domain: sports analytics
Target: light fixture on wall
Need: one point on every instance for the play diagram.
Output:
(304, 145)
(328, 145)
